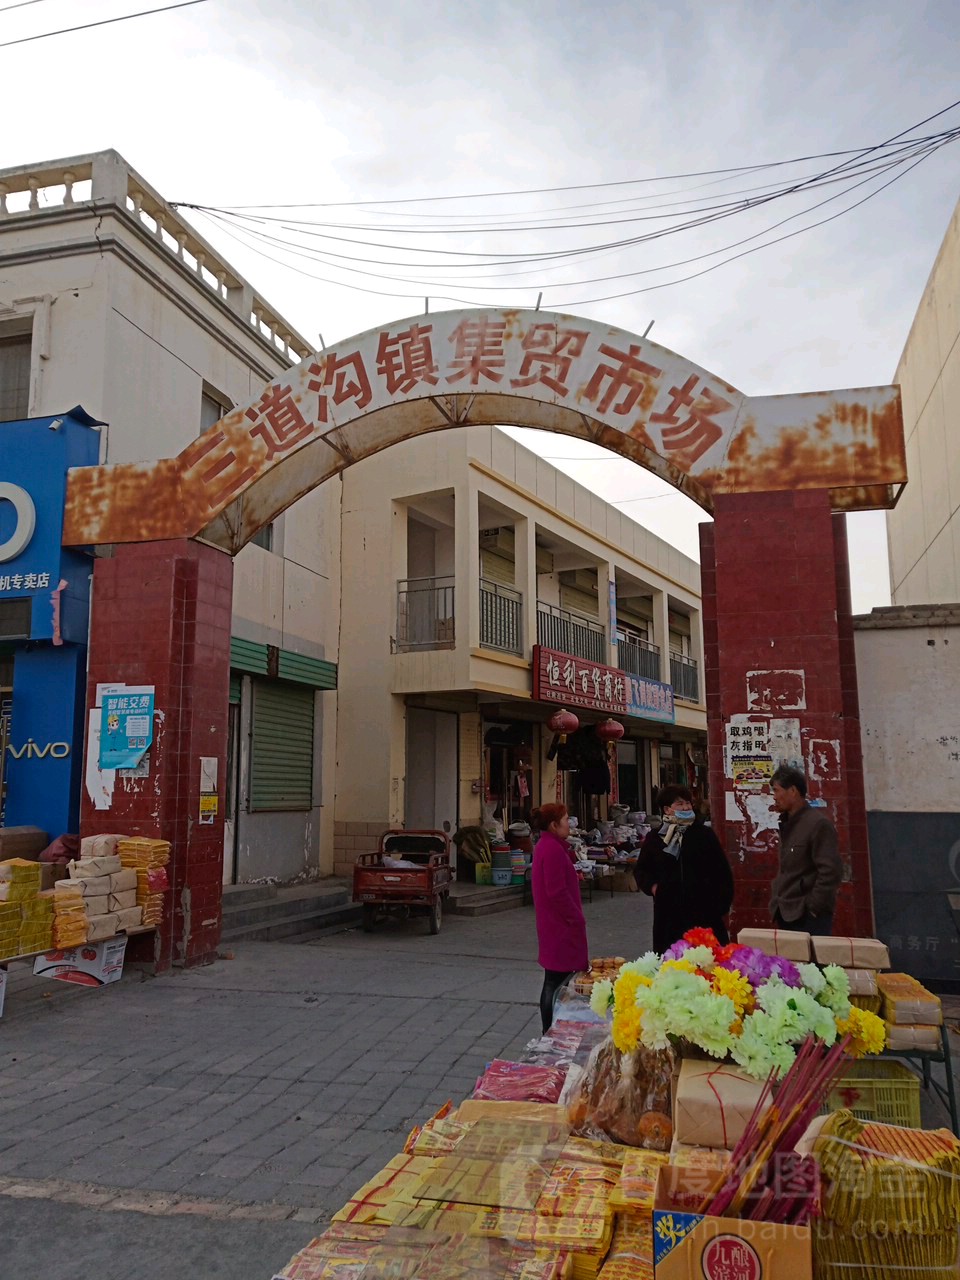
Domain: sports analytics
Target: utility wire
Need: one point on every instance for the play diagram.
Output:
(104, 22)
(21, 4)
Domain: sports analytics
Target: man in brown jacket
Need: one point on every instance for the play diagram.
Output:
(804, 893)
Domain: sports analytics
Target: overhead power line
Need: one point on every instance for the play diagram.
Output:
(104, 22)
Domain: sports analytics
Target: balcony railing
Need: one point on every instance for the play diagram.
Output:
(683, 677)
(425, 614)
(639, 658)
(501, 617)
(571, 633)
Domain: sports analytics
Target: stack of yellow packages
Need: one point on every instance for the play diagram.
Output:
(9, 929)
(149, 859)
(69, 921)
(19, 879)
(890, 1202)
(912, 1013)
(88, 887)
(36, 923)
(631, 1252)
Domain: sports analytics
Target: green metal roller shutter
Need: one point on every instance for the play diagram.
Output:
(236, 687)
(281, 758)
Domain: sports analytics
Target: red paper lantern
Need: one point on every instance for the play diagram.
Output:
(563, 722)
(610, 730)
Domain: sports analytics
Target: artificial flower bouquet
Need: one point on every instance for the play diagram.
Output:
(733, 1003)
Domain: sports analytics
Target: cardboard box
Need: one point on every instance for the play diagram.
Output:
(92, 965)
(788, 943)
(693, 1246)
(713, 1103)
(851, 953)
(22, 842)
(51, 873)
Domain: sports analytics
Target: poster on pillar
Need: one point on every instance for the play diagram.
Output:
(126, 727)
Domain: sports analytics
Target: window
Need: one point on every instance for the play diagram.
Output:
(14, 378)
(281, 756)
(212, 408)
(264, 537)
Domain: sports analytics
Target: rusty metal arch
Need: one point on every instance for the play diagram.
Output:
(525, 368)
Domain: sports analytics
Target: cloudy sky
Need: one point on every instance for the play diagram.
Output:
(275, 102)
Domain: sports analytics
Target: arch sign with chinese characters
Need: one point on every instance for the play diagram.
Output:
(528, 368)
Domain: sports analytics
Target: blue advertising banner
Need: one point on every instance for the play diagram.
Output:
(126, 728)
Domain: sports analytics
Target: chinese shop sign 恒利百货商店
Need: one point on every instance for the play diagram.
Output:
(577, 682)
(126, 728)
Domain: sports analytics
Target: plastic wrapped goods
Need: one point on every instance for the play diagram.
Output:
(520, 1082)
(626, 1097)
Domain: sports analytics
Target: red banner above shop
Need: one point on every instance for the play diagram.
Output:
(576, 682)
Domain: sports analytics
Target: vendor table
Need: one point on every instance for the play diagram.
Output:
(947, 1093)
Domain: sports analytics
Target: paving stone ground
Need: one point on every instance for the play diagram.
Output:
(203, 1124)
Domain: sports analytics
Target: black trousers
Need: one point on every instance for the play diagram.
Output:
(816, 926)
(553, 980)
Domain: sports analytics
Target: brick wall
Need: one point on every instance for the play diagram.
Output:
(776, 600)
(350, 839)
(161, 616)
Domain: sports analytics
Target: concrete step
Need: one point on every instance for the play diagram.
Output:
(294, 926)
(481, 902)
(285, 903)
(242, 895)
(272, 912)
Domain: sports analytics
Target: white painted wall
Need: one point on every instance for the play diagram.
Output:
(909, 683)
(924, 527)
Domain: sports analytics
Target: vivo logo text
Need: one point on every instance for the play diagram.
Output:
(33, 751)
(26, 513)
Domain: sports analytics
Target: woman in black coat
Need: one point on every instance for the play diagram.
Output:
(688, 877)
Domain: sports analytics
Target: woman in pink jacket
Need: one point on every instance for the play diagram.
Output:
(561, 927)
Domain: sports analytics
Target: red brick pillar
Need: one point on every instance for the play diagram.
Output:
(161, 616)
(778, 650)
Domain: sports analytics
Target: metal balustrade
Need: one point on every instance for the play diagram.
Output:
(639, 658)
(425, 614)
(684, 677)
(501, 617)
(571, 633)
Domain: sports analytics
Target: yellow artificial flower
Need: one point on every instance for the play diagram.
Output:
(626, 1029)
(727, 982)
(625, 990)
(683, 965)
(866, 1031)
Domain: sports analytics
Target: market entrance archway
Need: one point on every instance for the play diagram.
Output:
(772, 470)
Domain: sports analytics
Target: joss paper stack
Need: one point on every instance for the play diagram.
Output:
(9, 929)
(864, 993)
(891, 1200)
(148, 858)
(631, 1252)
(36, 924)
(19, 879)
(634, 1193)
(906, 1002)
(520, 1082)
(69, 924)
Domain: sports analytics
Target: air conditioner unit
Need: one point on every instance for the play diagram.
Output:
(501, 541)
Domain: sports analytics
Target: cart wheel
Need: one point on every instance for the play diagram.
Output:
(369, 917)
(436, 916)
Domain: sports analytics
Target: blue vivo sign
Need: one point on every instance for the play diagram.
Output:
(44, 604)
(35, 456)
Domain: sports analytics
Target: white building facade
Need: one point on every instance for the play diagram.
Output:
(109, 300)
(472, 568)
(924, 527)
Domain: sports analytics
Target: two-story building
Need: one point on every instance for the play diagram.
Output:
(482, 590)
(111, 301)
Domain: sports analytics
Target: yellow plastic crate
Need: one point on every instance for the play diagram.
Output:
(885, 1092)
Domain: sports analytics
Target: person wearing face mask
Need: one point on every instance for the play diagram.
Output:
(684, 869)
